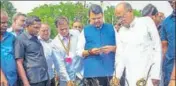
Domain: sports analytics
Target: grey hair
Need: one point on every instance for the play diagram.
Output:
(96, 9)
(31, 19)
(127, 6)
(149, 10)
(15, 16)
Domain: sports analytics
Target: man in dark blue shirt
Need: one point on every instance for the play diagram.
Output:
(167, 34)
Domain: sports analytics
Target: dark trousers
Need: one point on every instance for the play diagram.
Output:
(53, 82)
(44, 83)
(102, 81)
(18, 81)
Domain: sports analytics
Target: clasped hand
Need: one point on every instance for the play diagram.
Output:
(105, 49)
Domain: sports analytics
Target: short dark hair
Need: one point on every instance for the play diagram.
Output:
(59, 20)
(170, 1)
(96, 9)
(76, 20)
(149, 10)
(31, 19)
(15, 16)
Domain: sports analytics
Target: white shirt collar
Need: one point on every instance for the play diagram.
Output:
(133, 22)
(10, 29)
(44, 40)
(62, 38)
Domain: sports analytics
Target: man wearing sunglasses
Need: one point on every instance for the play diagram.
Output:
(138, 48)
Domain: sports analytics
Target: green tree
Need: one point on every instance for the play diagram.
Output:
(109, 14)
(137, 13)
(48, 13)
(110, 17)
(9, 8)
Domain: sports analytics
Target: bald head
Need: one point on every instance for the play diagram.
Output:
(124, 13)
(123, 7)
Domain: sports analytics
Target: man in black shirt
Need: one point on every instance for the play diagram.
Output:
(29, 54)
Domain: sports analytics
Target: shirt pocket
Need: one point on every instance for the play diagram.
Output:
(33, 48)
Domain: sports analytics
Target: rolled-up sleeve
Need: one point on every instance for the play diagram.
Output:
(80, 44)
(19, 48)
(163, 32)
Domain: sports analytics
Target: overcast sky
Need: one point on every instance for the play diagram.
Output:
(27, 6)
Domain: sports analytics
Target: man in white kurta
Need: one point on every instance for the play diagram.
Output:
(138, 48)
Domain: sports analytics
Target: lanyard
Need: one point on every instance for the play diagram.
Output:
(67, 49)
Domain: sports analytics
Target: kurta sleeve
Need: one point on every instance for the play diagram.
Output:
(157, 52)
(80, 44)
(119, 59)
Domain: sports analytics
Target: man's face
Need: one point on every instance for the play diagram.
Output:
(63, 29)
(96, 19)
(158, 18)
(44, 32)
(124, 16)
(77, 25)
(161, 15)
(34, 29)
(173, 4)
(4, 23)
(19, 22)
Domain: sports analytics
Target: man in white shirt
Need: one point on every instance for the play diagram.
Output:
(17, 24)
(138, 48)
(44, 37)
(64, 47)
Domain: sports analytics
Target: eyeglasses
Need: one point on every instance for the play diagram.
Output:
(121, 17)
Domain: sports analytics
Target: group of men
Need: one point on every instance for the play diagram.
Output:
(98, 55)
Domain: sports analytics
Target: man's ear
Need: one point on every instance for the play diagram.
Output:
(153, 17)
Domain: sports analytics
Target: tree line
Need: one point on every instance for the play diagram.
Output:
(49, 12)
